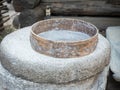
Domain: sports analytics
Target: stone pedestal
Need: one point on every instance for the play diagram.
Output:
(22, 68)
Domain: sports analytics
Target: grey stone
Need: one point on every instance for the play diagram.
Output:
(20, 5)
(10, 82)
(21, 60)
(113, 35)
(30, 16)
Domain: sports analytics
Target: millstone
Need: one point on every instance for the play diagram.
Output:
(64, 38)
(23, 68)
(10, 82)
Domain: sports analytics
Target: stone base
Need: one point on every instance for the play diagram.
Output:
(10, 82)
(25, 69)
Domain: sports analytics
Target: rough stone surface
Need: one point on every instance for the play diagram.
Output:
(21, 60)
(113, 35)
(20, 5)
(30, 16)
(10, 82)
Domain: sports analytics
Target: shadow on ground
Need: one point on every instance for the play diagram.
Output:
(112, 84)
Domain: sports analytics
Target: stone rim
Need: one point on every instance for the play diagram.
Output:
(79, 46)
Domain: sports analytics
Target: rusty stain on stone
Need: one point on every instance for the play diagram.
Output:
(61, 49)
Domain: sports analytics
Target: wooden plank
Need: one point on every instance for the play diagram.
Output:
(97, 8)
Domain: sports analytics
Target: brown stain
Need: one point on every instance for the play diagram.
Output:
(65, 49)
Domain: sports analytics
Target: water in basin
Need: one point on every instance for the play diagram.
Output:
(64, 35)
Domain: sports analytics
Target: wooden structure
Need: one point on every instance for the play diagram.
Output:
(3, 18)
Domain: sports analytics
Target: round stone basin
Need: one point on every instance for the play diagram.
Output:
(64, 38)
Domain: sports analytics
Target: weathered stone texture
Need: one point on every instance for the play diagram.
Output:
(21, 60)
(20, 5)
(28, 67)
(10, 82)
(29, 16)
(64, 49)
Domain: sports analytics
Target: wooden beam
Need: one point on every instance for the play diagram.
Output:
(97, 8)
(116, 2)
